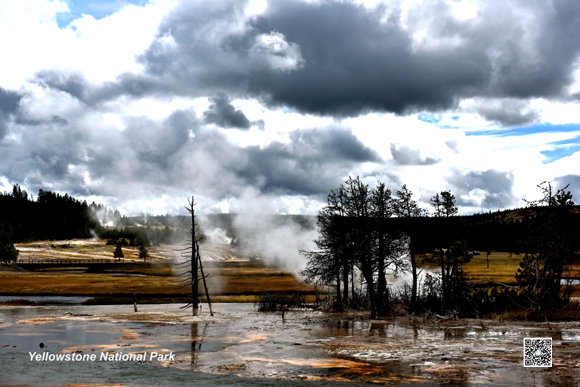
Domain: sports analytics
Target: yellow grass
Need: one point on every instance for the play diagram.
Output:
(502, 269)
(85, 284)
(233, 278)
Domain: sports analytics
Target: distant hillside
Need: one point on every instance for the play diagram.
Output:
(514, 215)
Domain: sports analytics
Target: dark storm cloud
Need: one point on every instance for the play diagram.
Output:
(223, 114)
(404, 155)
(192, 52)
(9, 102)
(495, 186)
(340, 58)
(354, 62)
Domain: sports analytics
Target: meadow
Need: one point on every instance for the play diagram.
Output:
(232, 276)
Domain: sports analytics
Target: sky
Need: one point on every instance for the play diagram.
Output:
(264, 106)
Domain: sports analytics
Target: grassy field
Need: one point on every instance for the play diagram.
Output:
(233, 278)
(502, 268)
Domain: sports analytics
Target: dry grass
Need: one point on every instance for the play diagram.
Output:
(106, 284)
(82, 249)
(232, 278)
(85, 284)
(502, 267)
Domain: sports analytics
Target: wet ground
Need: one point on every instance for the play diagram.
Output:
(239, 346)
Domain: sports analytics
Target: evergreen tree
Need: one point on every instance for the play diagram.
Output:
(8, 253)
(118, 253)
(143, 252)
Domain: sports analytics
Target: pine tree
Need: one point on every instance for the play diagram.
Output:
(118, 251)
(8, 252)
(143, 252)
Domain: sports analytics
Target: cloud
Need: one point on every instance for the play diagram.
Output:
(489, 189)
(404, 155)
(136, 116)
(339, 58)
(574, 185)
(343, 59)
(223, 114)
(76, 148)
(507, 112)
(312, 162)
(9, 102)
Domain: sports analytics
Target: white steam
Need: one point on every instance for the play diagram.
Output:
(217, 236)
(276, 239)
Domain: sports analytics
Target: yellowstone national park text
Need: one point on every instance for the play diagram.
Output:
(104, 356)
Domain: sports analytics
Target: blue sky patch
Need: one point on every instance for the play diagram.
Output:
(526, 130)
(430, 118)
(563, 148)
(97, 9)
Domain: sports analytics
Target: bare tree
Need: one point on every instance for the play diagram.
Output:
(550, 249)
(193, 259)
(406, 207)
(353, 234)
(325, 264)
(444, 207)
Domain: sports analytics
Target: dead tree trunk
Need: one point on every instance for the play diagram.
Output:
(194, 262)
(204, 283)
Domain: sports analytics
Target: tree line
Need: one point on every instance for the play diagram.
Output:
(366, 234)
(53, 216)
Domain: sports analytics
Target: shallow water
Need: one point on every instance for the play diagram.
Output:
(239, 346)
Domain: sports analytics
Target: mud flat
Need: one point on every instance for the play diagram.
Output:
(239, 346)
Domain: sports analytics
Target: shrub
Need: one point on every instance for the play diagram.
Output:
(272, 302)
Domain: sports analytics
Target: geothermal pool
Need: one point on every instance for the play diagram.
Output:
(239, 346)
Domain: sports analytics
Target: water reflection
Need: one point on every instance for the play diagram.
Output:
(378, 329)
(197, 336)
(194, 349)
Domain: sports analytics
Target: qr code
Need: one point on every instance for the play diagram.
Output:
(537, 352)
